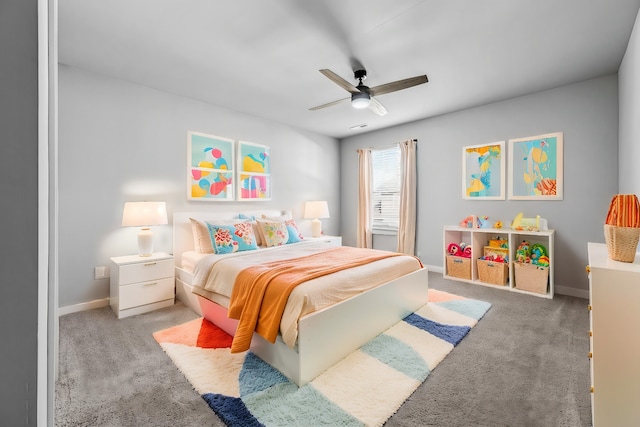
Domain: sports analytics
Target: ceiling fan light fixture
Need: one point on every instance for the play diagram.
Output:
(360, 100)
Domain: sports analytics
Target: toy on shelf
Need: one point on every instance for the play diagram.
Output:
(483, 222)
(461, 250)
(474, 221)
(523, 253)
(469, 222)
(498, 242)
(498, 224)
(539, 255)
(529, 224)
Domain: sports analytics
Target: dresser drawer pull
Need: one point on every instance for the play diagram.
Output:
(591, 389)
(588, 269)
(151, 284)
(590, 355)
(590, 333)
(149, 264)
(589, 307)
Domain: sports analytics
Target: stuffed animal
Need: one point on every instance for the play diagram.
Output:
(523, 253)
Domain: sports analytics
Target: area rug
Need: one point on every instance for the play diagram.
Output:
(364, 389)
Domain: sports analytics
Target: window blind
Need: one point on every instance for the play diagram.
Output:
(385, 196)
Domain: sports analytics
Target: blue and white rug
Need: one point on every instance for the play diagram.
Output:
(364, 389)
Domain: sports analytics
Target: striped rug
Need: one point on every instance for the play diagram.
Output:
(364, 389)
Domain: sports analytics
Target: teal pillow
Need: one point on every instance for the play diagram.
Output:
(227, 239)
(294, 233)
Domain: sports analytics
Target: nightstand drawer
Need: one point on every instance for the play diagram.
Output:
(137, 294)
(145, 271)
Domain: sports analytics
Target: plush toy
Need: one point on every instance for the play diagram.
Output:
(483, 222)
(523, 253)
(454, 249)
(539, 255)
(461, 250)
(498, 224)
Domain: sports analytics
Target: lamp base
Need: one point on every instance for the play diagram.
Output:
(316, 228)
(145, 242)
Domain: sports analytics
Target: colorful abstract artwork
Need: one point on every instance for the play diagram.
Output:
(535, 164)
(483, 172)
(210, 167)
(254, 171)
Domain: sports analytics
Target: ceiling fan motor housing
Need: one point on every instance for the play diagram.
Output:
(360, 75)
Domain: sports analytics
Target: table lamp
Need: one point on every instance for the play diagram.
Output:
(315, 210)
(144, 214)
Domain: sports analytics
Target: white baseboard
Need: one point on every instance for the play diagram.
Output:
(435, 268)
(99, 303)
(572, 292)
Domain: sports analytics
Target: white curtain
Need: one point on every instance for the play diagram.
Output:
(363, 226)
(408, 194)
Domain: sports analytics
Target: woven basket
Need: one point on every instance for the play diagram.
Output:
(622, 242)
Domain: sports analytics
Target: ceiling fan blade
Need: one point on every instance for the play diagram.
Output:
(329, 104)
(398, 85)
(377, 107)
(339, 81)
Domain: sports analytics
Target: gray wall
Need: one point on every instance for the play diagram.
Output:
(629, 93)
(19, 225)
(122, 142)
(586, 112)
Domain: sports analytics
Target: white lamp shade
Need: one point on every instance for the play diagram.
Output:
(144, 214)
(316, 210)
(140, 214)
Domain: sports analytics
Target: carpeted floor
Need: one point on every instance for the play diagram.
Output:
(524, 364)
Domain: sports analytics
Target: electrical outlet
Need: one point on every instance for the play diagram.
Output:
(101, 272)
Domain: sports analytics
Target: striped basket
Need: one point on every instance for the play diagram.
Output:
(622, 227)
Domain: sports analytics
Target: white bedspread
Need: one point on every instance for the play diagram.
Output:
(214, 276)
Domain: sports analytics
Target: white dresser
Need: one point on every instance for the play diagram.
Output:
(614, 293)
(141, 284)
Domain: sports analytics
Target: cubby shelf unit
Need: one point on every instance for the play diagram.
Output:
(478, 238)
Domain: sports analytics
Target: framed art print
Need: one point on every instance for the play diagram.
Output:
(210, 167)
(483, 174)
(254, 171)
(535, 165)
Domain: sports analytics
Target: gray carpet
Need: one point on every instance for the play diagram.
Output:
(524, 364)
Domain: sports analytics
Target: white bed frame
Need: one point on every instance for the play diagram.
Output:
(324, 337)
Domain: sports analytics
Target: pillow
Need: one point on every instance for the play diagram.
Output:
(275, 233)
(294, 233)
(287, 215)
(226, 239)
(201, 237)
(256, 229)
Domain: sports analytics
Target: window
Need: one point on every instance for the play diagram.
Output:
(385, 198)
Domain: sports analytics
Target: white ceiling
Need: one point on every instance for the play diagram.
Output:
(262, 57)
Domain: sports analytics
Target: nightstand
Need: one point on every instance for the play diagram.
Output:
(141, 284)
(331, 240)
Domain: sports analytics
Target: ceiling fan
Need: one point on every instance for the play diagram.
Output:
(363, 96)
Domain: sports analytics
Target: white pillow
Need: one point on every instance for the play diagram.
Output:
(201, 237)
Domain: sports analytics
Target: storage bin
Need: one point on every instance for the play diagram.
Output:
(531, 277)
(622, 227)
(495, 273)
(459, 267)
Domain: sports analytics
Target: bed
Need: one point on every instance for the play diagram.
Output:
(321, 337)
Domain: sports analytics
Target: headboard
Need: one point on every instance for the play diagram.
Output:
(183, 237)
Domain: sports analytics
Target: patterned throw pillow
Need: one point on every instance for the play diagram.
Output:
(294, 234)
(275, 233)
(227, 239)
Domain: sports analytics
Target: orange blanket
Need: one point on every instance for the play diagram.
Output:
(261, 292)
